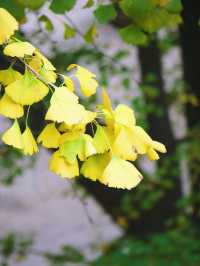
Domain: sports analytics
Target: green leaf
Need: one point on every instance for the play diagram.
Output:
(14, 8)
(157, 19)
(66, 255)
(47, 23)
(8, 245)
(126, 83)
(136, 8)
(61, 6)
(133, 35)
(72, 254)
(105, 13)
(89, 4)
(90, 34)
(32, 4)
(69, 32)
(174, 6)
(121, 54)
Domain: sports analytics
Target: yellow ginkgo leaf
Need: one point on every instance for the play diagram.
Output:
(81, 146)
(109, 118)
(45, 62)
(65, 108)
(9, 75)
(27, 90)
(124, 115)
(49, 137)
(73, 130)
(101, 140)
(37, 64)
(142, 135)
(71, 114)
(106, 101)
(13, 136)
(87, 118)
(9, 108)
(63, 96)
(70, 135)
(8, 25)
(59, 166)
(152, 150)
(87, 79)
(152, 154)
(111, 133)
(29, 143)
(71, 149)
(138, 144)
(69, 83)
(49, 75)
(19, 49)
(106, 109)
(95, 165)
(123, 146)
(121, 174)
(87, 148)
(159, 147)
(145, 141)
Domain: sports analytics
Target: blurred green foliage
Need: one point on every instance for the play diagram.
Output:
(11, 165)
(145, 16)
(174, 248)
(61, 6)
(105, 13)
(133, 35)
(15, 247)
(67, 255)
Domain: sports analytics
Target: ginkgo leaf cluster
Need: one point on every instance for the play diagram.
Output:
(105, 153)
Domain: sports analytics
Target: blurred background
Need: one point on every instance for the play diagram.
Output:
(146, 53)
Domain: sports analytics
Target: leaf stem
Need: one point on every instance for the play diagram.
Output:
(27, 115)
(38, 76)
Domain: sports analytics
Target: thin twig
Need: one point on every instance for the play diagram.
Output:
(27, 115)
(84, 205)
(38, 75)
